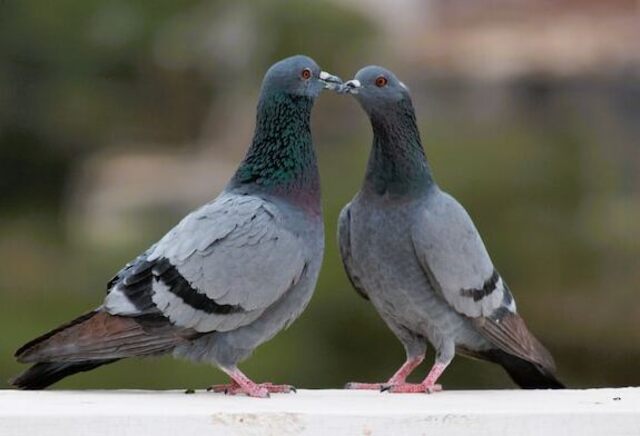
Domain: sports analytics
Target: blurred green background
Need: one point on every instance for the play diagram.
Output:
(118, 117)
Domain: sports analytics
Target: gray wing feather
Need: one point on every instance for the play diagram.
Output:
(235, 252)
(455, 259)
(344, 243)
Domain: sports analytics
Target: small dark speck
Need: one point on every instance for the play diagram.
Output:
(617, 398)
(190, 391)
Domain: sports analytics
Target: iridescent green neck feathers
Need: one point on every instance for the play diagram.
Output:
(281, 159)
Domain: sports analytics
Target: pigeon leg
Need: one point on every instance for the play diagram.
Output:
(241, 384)
(428, 385)
(398, 378)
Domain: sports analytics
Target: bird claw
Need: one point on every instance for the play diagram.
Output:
(279, 389)
(385, 387)
(219, 388)
(413, 388)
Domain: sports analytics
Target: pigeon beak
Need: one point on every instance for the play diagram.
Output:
(330, 81)
(351, 87)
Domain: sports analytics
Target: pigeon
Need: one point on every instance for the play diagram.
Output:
(413, 251)
(231, 274)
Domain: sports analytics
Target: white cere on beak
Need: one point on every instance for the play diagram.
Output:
(351, 87)
(403, 85)
(330, 81)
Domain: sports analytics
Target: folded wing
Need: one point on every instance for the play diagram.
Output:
(344, 243)
(455, 259)
(458, 266)
(217, 270)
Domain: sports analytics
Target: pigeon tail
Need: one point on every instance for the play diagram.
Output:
(23, 352)
(92, 340)
(44, 374)
(525, 374)
(99, 335)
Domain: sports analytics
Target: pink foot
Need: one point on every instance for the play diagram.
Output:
(364, 386)
(398, 378)
(241, 384)
(278, 389)
(223, 388)
(413, 388)
(233, 389)
(428, 385)
(260, 390)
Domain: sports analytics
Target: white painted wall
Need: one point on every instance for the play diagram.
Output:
(601, 412)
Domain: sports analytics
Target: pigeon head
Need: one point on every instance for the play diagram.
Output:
(397, 163)
(298, 75)
(281, 160)
(376, 88)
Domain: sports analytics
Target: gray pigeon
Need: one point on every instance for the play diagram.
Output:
(413, 251)
(231, 274)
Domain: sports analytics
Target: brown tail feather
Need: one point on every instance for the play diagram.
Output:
(99, 335)
(510, 334)
(23, 350)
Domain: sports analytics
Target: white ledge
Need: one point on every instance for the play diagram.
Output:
(614, 411)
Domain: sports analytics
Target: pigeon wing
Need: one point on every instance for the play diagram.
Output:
(455, 259)
(457, 264)
(217, 270)
(344, 243)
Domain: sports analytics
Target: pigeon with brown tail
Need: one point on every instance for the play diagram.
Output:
(231, 274)
(414, 252)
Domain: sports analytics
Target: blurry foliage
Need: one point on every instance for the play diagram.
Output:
(79, 76)
(76, 76)
(550, 181)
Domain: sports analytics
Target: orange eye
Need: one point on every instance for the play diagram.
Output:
(381, 81)
(306, 74)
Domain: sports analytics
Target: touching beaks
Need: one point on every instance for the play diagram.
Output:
(330, 81)
(351, 87)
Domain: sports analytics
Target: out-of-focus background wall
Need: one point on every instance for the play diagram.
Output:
(118, 117)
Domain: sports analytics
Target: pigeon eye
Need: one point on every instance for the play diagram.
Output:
(306, 74)
(381, 81)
